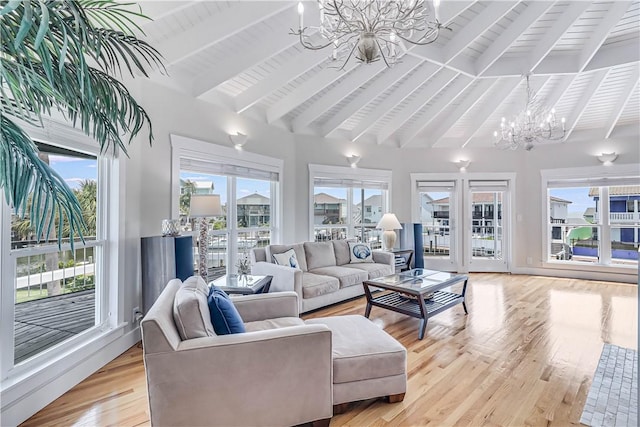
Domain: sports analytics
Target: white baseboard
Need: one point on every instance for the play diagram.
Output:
(578, 274)
(22, 401)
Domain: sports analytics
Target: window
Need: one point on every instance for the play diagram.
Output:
(58, 294)
(348, 203)
(593, 220)
(248, 185)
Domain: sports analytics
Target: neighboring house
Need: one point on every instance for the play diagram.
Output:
(203, 187)
(624, 209)
(483, 207)
(372, 209)
(558, 212)
(589, 215)
(328, 209)
(254, 210)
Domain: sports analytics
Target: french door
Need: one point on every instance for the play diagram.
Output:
(465, 223)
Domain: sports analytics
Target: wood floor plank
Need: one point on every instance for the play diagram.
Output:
(524, 355)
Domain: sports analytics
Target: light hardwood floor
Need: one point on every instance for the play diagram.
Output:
(525, 355)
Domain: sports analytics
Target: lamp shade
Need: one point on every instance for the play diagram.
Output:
(389, 221)
(203, 205)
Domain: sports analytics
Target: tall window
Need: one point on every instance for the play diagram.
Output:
(348, 203)
(56, 291)
(595, 221)
(248, 185)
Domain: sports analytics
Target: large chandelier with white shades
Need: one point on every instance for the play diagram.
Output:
(370, 30)
(533, 125)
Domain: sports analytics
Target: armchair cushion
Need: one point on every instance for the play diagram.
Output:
(190, 309)
(224, 316)
(280, 322)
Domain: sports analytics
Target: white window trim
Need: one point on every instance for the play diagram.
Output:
(109, 305)
(185, 147)
(342, 172)
(602, 171)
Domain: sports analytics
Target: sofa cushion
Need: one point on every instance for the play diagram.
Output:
(319, 254)
(277, 323)
(361, 350)
(190, 309)
(224, 315)
(375, 269)
(278, 249)
(314, 285)
(360, 252)
(346, 276)
(287, 258)
(341, 250)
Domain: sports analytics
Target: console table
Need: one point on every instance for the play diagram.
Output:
(402, 259)
(416, 293)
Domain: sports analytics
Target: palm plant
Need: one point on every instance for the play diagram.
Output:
(47, 47)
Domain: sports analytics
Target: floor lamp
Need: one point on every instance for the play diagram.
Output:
(389, 223)
(204, 206)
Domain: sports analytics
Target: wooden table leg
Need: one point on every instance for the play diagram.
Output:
(464, 298)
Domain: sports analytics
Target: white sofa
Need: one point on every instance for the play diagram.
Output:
(325, 274)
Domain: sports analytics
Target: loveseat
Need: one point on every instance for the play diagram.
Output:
(325, 272)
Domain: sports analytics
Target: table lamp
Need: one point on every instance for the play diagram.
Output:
(389, 223)
(204, 206)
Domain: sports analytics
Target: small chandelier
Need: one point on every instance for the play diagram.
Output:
(369, 29)
(534, 124)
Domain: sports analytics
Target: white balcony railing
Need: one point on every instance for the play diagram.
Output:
(617, 217)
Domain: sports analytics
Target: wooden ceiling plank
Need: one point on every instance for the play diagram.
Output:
(616, 110)
(519, 25)
(409, 86)
(390, 78)
(616, 54)
(588, 93)
(300, 64)
(433, 87)
(443, 123)
(616, 11)
(337, 93)
(505, 88)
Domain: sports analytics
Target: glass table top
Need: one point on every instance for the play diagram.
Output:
(237, 281)
(418, 279)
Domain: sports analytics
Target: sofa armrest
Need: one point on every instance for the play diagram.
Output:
(249, 378)
(267, 306)
(384, 257)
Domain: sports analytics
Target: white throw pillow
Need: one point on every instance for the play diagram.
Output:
(191, 310)
(287, 258)
(360, 252)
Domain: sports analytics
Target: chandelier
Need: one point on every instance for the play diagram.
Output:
(369, 29)
(534, 124)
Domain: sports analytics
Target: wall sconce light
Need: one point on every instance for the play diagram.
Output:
(238, 140)
(353, 160)
(463, 164)
(608, 158)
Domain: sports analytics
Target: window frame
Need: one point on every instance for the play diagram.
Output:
(613, 172)
(341, 172)
(190, 148)
(108, 311)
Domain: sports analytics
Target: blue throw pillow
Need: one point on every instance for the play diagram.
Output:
(224, 315)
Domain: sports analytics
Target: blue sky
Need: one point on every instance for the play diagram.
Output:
(74, 170)
(578, 195)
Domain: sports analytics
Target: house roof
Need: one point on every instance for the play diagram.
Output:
(621, 190)
(582, 57)
(559, 200)
(324, 198)
(254, 199)
(589, 212)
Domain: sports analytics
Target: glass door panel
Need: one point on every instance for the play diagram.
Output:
(437, 215)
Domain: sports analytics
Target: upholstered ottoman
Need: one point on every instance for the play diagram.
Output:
(367, 362)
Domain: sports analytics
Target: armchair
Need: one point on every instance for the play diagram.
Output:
(253, 378)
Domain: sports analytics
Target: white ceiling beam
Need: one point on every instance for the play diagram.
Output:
(390, 77)
(504, 88)
(442, 123)
(292, 69)
(455, 89)
(449, 10)
(615, 54)
(405, 89)
(345, 87)
(157, 10)
(596, 80)
(307, 90)
(616, 10)
(618, 108)
(432, 88)
(229, 22)
(493, 13)
(519, 25)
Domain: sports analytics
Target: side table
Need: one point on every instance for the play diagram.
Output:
(243, 285)
(403, 259)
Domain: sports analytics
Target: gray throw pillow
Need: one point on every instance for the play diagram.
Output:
(191, 309)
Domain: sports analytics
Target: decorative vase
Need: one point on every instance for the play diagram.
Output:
(170, 227)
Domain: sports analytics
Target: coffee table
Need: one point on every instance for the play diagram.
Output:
(243, 285)
(417, 293)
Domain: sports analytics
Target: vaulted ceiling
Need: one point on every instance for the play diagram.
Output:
(584, 60)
